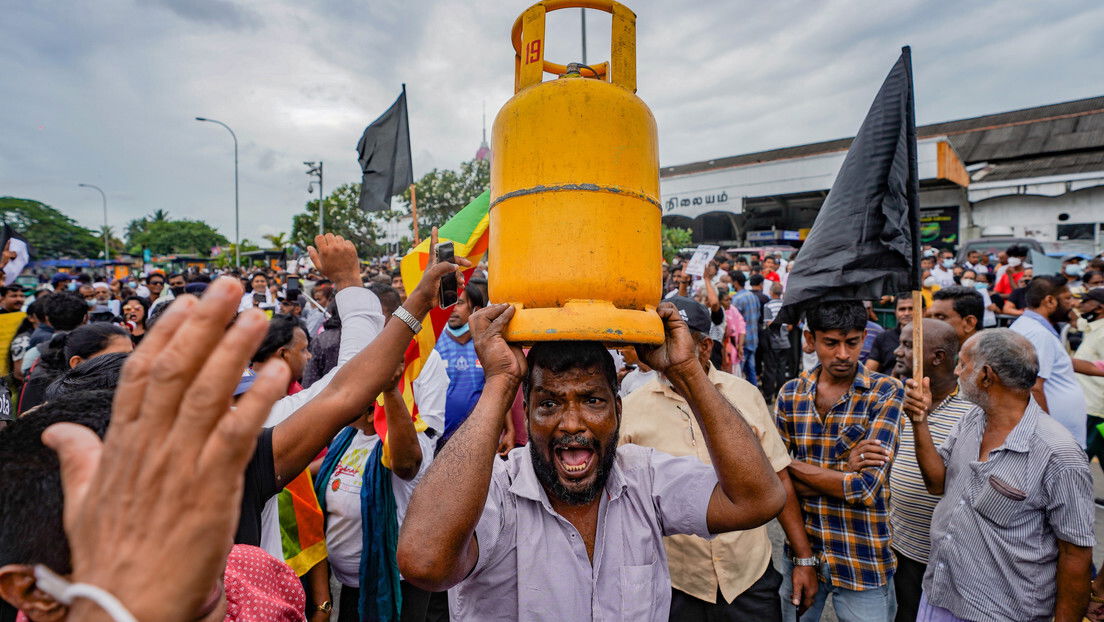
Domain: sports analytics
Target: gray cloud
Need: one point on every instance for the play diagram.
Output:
(105, 93)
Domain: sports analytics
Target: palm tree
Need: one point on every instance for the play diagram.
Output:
(159, 216)
(113, 242)
(277, 240)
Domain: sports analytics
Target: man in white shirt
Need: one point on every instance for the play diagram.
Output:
(943, 269)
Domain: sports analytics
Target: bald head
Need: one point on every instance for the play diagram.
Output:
(940, 350)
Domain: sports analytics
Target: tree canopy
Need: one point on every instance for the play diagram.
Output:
(442, 193)
(52, 235)
(343, 217)
(164, 235)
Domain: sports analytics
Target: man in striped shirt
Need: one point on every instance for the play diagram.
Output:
(910, 503)
(1012, 537)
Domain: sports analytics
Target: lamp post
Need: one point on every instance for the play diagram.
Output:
(103, 196)
(314, 170)
(237, 222)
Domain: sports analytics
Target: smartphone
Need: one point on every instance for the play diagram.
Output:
(293, 287)
(259, 299)
(447, 293)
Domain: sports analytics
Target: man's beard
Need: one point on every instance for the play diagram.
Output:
(549, 478)
(967, 390)
(1059, 315)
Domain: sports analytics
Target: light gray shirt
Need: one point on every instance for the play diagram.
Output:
(994, 535)
(533, 563)
(1064, 397)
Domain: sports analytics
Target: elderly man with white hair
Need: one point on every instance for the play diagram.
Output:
(1012, 537)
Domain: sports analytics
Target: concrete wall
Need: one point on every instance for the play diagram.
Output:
(1039, 216)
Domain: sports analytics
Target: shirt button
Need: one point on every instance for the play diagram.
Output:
(962, 502)
(940, 564)
(948, 537)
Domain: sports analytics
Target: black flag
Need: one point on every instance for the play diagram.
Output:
(384, 152)
(865, 241)
(17, 254)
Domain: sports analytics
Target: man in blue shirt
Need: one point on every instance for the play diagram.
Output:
(464, 371)
(750, 307)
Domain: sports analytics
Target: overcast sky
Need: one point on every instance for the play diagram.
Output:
(105, 92)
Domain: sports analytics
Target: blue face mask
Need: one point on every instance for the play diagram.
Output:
(948, 263)
(979, 286)
(1073, 269)
(72, 286)
(457, 332)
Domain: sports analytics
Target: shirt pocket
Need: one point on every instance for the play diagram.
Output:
(1000, 502)
(847, 439)
(638, 590)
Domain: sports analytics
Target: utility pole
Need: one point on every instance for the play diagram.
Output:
(107, 253)
(582, 16)
(316, 171)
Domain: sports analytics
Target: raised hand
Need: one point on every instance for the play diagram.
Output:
(164, 488)
(336, 258)
(425, 295)
(678, 351)
(499, 358)
(918, 400)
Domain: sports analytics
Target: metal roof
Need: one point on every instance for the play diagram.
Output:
(1044, 140)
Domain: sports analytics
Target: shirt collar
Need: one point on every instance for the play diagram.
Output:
(1042, 320)
(527, 486)
(663, 385)
(862, 380)
(1019, 438)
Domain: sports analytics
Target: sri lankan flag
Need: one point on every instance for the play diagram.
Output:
(302, 525)
(467, 230)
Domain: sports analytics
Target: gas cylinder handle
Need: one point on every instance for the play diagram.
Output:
(528, 39)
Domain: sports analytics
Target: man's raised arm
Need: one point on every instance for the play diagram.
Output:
(354, 387)
(748, 491)
(437, 545)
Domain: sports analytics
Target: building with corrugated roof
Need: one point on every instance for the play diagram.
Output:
(1036, 172)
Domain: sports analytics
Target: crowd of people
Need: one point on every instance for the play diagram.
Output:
(249, 446)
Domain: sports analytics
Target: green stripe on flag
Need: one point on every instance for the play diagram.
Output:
(460, 227)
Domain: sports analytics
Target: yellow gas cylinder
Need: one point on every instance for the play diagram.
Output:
(575, 212)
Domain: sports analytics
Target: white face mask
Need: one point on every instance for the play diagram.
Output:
(968, 282)
(1014, 261)
(930, 282)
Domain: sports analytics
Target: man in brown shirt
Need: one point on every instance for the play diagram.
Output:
(730, 576)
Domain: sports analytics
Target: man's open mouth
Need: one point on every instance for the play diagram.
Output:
(574, 460)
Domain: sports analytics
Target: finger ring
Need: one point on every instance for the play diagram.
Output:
(862, 456)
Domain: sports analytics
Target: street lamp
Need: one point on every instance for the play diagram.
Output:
(103, 196)
(314, 170)
(237, 225)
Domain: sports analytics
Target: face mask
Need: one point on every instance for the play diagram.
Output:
(91, 302)
(457, 332)
(72, 286)
(968, 282)
(930, 282)
(948, 263)
(1014, 261)
(1073, 269)
(979, 286)
(178, 290)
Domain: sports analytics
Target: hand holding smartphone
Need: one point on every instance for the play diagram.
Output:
(448, 290)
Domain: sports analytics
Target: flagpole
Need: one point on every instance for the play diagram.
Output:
(414, 211)
(917, 336)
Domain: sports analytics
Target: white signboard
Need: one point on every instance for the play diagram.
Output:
(702, 256)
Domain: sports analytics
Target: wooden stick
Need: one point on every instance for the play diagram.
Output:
(414, 212)
(917, 336)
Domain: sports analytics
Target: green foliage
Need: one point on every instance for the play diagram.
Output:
(163, 235)
(114, 243)
(278, 241)
(674, 238)
(442, 193)
(52, 235)
(343, 217)
(225, 258)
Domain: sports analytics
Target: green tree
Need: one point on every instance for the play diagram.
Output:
(225, 258)
(344, 218)
(278, 241)
(674, 239)
(163, 235)
(52, 235)
(114, 244)
(442, 193)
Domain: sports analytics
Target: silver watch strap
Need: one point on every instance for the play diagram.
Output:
(805, 561)
(408, 319)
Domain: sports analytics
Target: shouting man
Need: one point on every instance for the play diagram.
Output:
(571, 527)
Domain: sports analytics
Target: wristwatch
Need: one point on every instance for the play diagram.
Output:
(325, 607)
(804, 561)
(408, 318)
